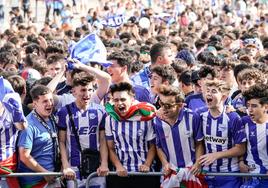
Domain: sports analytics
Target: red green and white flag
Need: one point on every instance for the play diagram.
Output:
(183, 178)
(139, 111)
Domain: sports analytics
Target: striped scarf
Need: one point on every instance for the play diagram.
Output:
(140, 111)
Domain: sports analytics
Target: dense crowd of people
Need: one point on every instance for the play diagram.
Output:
(177, 85)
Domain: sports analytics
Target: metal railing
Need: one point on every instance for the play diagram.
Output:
(94, 174)
(37, 174)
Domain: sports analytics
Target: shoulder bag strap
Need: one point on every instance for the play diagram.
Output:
(73, 127)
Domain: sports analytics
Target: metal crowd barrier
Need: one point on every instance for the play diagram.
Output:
(37, 174)
(94, 174)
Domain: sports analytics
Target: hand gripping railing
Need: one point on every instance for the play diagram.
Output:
(94, 174)
(37, 174)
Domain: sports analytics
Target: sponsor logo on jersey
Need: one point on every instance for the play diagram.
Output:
(215, 140)
(87, 130)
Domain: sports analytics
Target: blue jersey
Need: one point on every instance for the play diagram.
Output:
(12, 114)
(239, 102)
(142, 78)
(131, 140)
(195, 101)
(221, 134)
(257, 146)
(142, 94)
(178, 141)
(5, 87)
(87, 123)
(37, 139)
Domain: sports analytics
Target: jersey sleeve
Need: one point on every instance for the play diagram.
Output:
(108, 130)
(157, 136)
(61, 116)
(12, 103)
(25, 139)
(150, 133)
(103, 119)
(197, 127)
(238, 129)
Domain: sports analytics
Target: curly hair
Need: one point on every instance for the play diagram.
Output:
(251, 74)
(258, 91)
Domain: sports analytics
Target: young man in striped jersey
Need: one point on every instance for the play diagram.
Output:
(178, 134)
(130, 138)
(11, 121)
(161, 54)
(86, 118)
(256, 126)
(246, 78)
(224, 136)
(119, 72)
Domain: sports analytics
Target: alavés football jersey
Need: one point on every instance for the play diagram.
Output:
(178, 141)
(131, 140)
(220, 134)
(87, 124)
(257, 145)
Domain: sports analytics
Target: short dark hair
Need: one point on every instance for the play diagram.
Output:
(18, 84)
(6, 58)
(31, 59)
(122, 58)
(33, 47)
(186, 77)
(39, 90)
(158, 50)
(258, 91)
(171, 91)
(83, 79)
(166, 72)
(205, 71)
(122, 86)
(54, 58)
(238, 68)
(229, 63)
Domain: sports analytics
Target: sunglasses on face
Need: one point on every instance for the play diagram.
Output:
(167, 105)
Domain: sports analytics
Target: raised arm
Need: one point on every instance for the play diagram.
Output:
(103, 78)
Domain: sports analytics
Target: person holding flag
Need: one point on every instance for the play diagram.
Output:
(179, 137)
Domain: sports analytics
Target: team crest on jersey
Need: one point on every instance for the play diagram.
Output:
(92, 116)
(252, 133)
(140, 132)
(222, 127)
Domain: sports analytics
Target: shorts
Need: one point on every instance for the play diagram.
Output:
(223, 181)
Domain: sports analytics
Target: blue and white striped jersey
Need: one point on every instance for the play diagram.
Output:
(178, 141)
(142, 78)
(131, 140)
(12, 113)
(221, 134)
(257, 146)
(88, 124)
